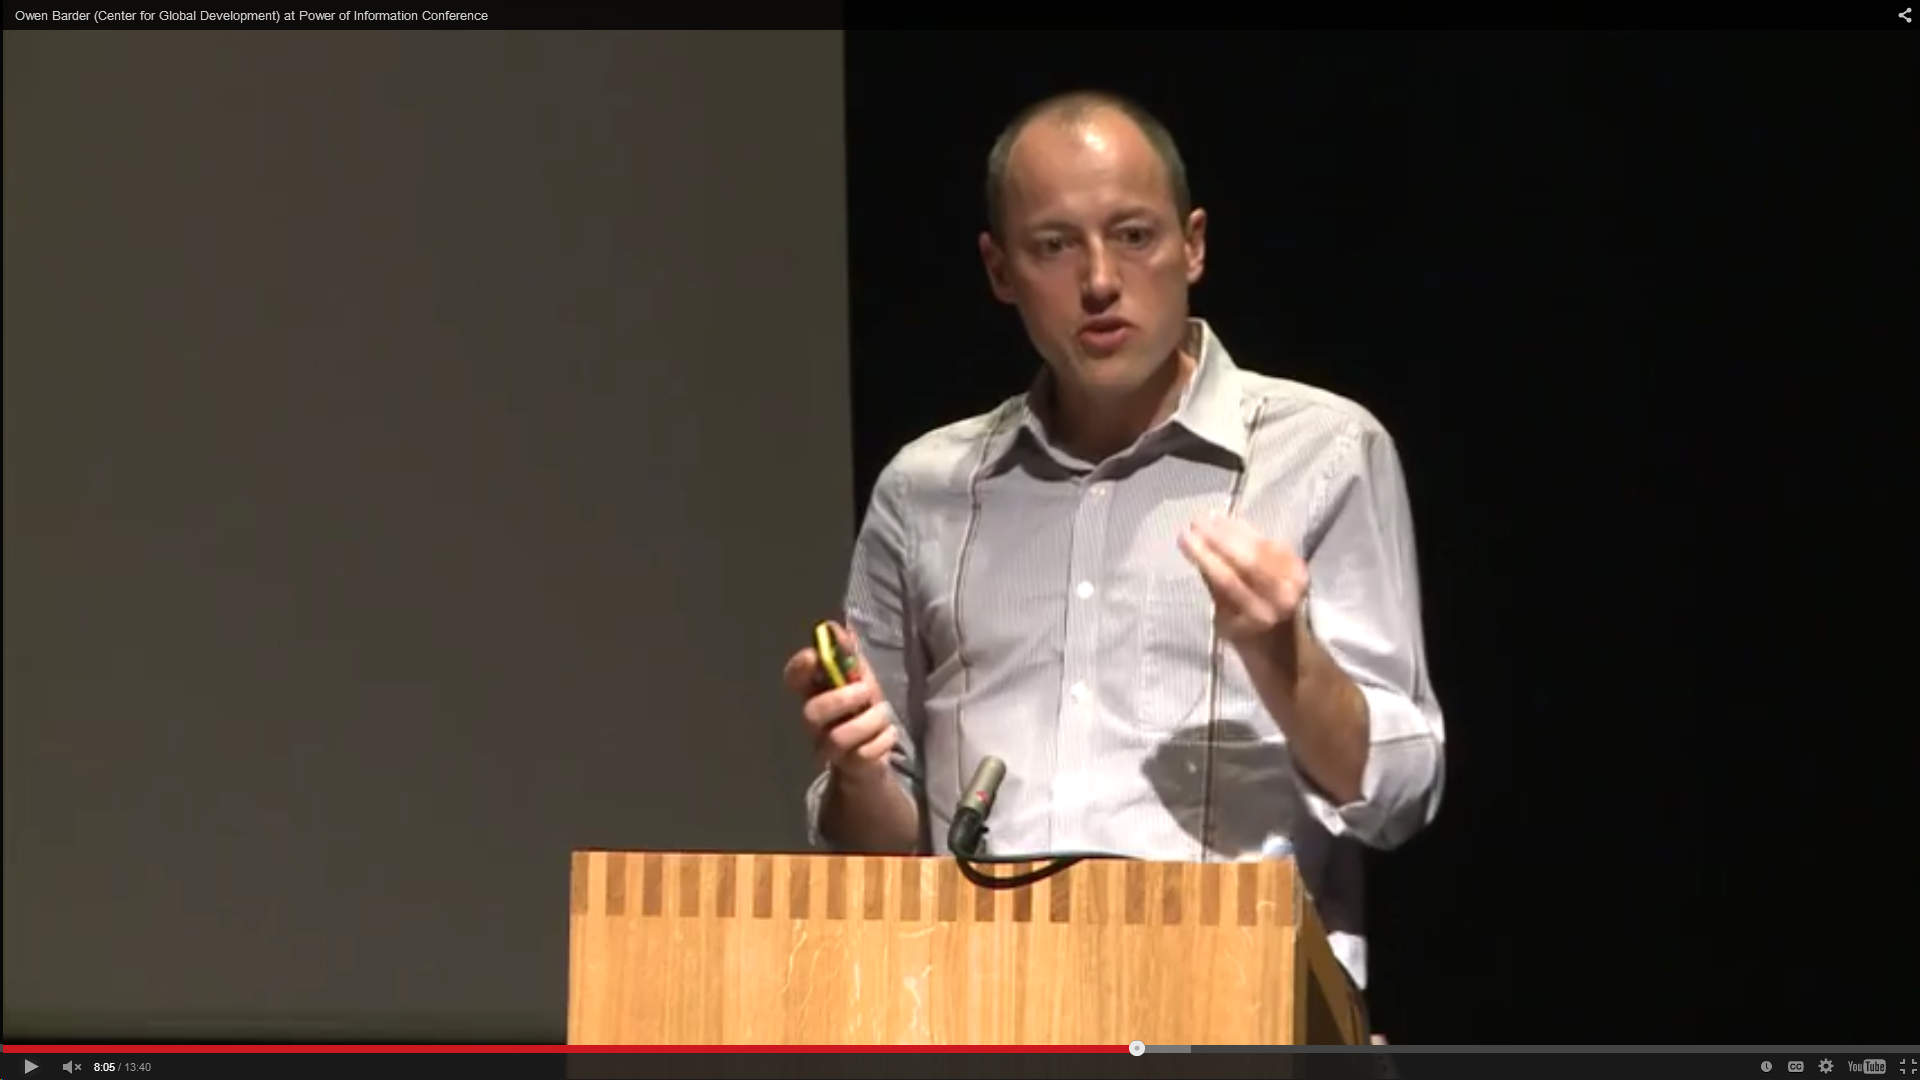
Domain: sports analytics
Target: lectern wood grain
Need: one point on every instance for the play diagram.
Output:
(774, 949)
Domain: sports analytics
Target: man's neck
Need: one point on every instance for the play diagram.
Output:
(1094, 428)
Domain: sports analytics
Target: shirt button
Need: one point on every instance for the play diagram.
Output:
(1097, 490)
(1083, 590)
(1079, 691)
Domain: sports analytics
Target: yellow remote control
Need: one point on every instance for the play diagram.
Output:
(839, 664)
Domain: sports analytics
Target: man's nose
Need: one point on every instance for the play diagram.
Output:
(1101, 286)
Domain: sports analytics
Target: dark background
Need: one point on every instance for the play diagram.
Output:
(1610, 290)
(369, 545)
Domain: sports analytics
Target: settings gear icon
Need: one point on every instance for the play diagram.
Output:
(1826, 1065)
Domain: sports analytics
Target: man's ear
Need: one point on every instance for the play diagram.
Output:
(995, 260)
(1196, 246)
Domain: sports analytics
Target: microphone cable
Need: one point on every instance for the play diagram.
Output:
(1051, 863)
(969, 831)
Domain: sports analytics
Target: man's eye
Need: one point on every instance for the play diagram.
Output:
(1135, 234)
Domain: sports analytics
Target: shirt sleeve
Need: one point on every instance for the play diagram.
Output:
(1364, 607)
(878, 612)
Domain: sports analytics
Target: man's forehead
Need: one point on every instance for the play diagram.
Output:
(1098, 141)
(1083, 159)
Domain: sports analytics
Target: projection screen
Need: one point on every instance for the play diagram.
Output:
(423, 447)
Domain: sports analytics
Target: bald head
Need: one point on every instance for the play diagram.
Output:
(1084, 121)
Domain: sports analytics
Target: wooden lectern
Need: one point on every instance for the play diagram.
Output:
(694, 948)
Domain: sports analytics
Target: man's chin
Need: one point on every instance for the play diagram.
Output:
(1117, 372)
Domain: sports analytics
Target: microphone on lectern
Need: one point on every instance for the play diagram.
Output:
(969, 826)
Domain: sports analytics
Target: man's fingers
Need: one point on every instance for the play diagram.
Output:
(867, 736)
(831, 707)
(1274, 574)
(876, 749)
(1250, 555)
(1228, 588)
(1267, 573)
(802, 673)
(1292, 589)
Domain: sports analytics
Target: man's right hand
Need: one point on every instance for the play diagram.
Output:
(850, 727)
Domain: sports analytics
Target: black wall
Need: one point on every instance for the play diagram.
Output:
(1606, 289)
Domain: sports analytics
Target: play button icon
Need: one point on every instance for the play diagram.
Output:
(30, 1065)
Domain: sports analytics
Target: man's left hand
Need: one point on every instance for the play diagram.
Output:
(1257, 583)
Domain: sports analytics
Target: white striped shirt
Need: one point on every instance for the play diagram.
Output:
(1015, 602)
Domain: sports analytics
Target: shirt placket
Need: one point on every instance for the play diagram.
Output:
(1087, 581)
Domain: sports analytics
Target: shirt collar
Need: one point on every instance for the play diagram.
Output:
(1210, 407)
